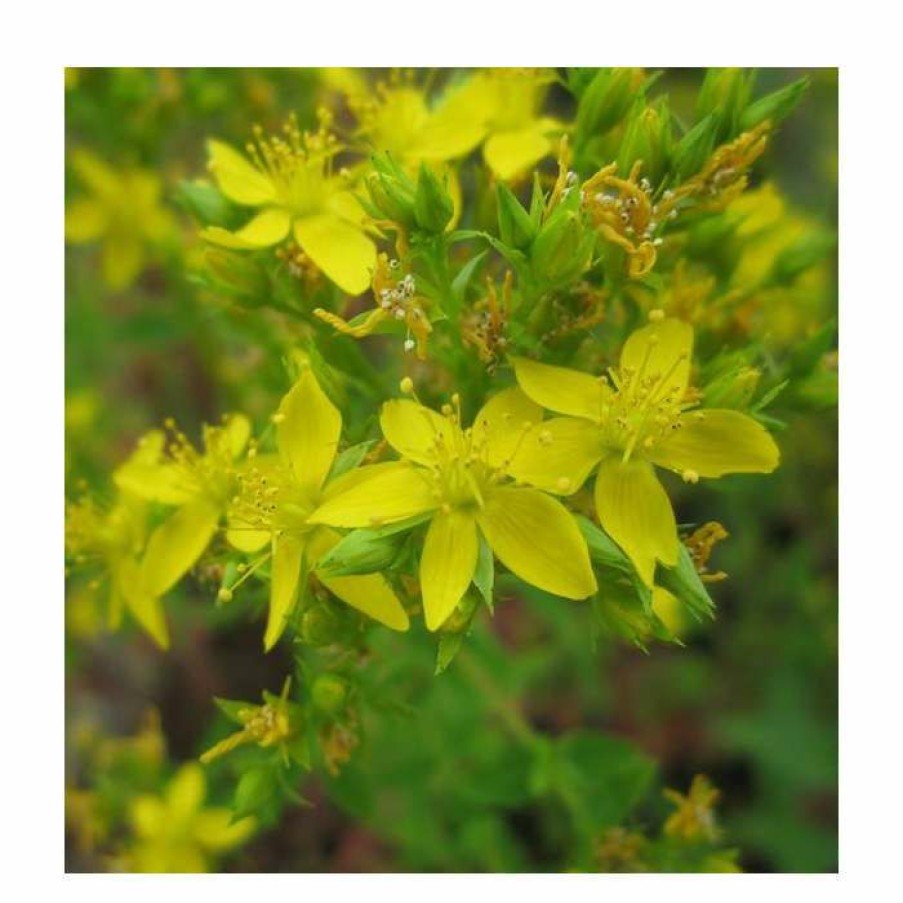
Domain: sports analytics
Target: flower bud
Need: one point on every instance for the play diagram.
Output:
(607, 98)
(734, 389)
(517, 228)
(433, 206)
(329, 693)
(562, 250)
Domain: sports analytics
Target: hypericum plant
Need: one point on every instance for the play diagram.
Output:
(570, 288)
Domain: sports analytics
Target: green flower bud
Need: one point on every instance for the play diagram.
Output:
(563, 249)
(648, 138)
(392, 199)
(362, 551)
(433, 206)
(695, 147)
(517, 229)
(606, 99)
(734, 389)
(725, 92)
(329, 693)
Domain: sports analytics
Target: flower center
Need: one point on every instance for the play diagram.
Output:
(297, 163)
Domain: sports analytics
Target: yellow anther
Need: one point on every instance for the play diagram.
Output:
(278, 417)
(545, 438)
(224, 595)
(563, 484)
(690, 476)
(407, 385)
(656, 315)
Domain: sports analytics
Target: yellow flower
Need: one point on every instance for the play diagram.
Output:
(266, 725)
(454, 476)
(397, 301)
(199, 485)
(397, 119)
(109, 543)
(175, 833)
(274, 505)
(643, 419)
(695, 815)
(291, 180)
(122, 211)
(510, 102)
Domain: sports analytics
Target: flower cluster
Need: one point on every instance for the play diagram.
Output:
(519, 311)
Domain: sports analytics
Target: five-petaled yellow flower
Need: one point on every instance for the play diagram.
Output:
(122, 211)
(643, 418)
(175, 833)
(456, 476)
(201, 485)
(509, 102)
(291, 180)
(109, 544)
(276, 500)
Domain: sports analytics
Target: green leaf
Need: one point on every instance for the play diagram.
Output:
(204, 202)
(484, 575)
(462, 278)
(600, 778)
(231, 707)
(350, 458)
(775, 106)
(683, 581)
(255, 789)
(449, 646)
(368, 549)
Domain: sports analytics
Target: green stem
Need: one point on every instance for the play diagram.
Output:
(480, 679)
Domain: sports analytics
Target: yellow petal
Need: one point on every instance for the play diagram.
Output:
(372, 595)
(237, 428)
(447, 565)
(345, 204)
(267, 228)
(308, 430)
(502, 423)
(536, 538)
(185, 792)
(339, 249)
(237, 178)
(453, 130)
(148, 612)
(376, 494)
(215, 831)
(288, 551)
(147, 815)
(122, 258)
(711, 443)
(165, 482)
(413, 429)
(661, 352)
(635, 511)
(94, 173)
(510, 153)
(176, 545)
(246, 539)
(562, 390)
(86, 220)
(558, 455)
